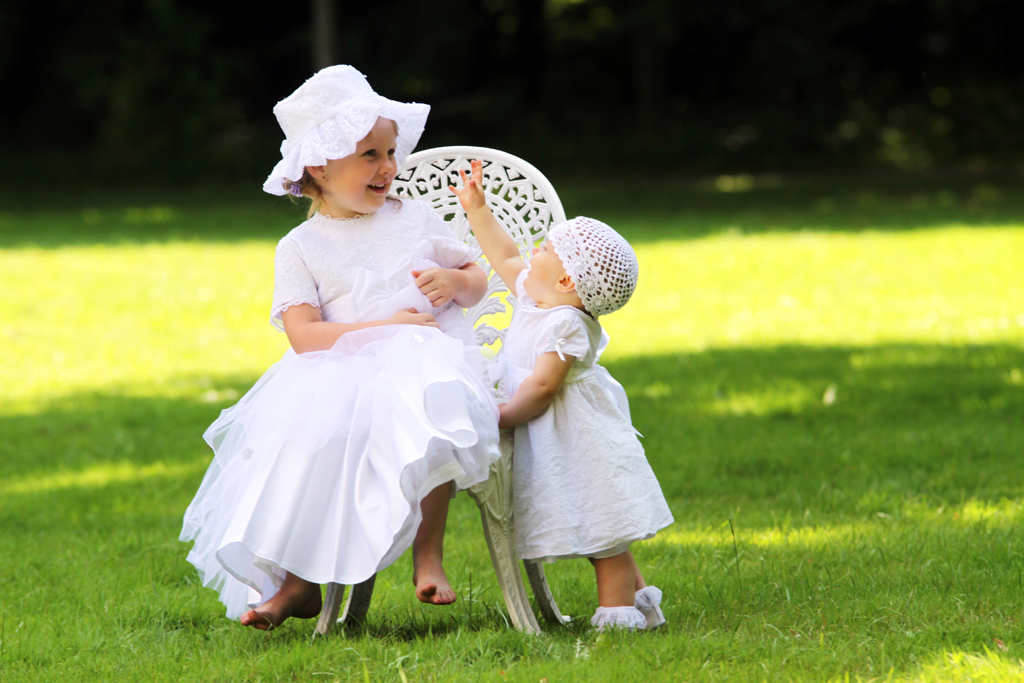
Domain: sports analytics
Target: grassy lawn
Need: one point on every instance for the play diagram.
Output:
(829, 375)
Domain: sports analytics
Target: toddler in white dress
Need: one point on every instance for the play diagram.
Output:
(340, 457)
(582, 485)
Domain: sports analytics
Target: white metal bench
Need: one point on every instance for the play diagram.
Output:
(527, 205)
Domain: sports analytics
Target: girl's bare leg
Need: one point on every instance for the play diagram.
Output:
(428, 575)
(296, 598)
(616, 580)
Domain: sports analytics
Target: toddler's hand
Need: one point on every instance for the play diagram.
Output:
(471, 196)
(440, 285)
(411, 316)
(503, 422)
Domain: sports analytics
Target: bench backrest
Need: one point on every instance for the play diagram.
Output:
(523, 200)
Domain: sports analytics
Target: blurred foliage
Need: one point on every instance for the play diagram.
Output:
(176, 90)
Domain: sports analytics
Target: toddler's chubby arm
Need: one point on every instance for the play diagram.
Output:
(537, 391)
(307, 330)
(500, 249)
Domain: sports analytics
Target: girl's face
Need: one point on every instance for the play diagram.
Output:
(359, 183)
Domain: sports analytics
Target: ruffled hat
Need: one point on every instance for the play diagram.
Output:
(328, 115)
(600, 262)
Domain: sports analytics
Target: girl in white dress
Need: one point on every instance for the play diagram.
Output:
(582, 486)
(325, 469)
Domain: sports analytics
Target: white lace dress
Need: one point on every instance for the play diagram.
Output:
(321, 467)
(582, 486)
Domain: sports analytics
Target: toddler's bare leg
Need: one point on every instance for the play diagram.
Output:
(640, 583)
(648, 601)
(428, 575)
(296, 598)
(616, 580)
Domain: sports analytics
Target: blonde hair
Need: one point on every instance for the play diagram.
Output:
(308, 188)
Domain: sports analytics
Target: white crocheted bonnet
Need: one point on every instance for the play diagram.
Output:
(600, 262)
(328, 115)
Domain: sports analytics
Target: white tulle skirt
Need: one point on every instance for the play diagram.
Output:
(320, 468)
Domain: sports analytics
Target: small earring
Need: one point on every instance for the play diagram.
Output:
(325, 177)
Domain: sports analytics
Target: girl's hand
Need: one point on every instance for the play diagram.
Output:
(471, 196)
(411, 316)
(440, 285)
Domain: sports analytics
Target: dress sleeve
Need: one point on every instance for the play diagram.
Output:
(449, 250)
(564, 333)
(293, 283)
(520, 292)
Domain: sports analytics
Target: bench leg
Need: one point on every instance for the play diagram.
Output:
(494, 498)
(356, 607)
(329, 613)
(542, 593)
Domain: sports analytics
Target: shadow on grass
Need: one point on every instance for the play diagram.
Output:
(778, 427)
(771, 427)
(643, 211)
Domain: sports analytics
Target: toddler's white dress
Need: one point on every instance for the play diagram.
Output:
(582, 486)
(321, 467)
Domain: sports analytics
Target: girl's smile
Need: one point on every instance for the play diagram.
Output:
(359, 183)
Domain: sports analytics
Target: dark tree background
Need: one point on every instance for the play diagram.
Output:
(156, 91)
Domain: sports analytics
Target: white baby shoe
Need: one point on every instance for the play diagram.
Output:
(618, 617)
(648, 601)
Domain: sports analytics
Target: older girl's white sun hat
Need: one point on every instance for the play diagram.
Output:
(328, 115)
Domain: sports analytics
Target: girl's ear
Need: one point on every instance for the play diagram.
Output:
(316, 171)
(565, 284)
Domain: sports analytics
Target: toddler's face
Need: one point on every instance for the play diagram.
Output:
(546, 270)
(360, 182)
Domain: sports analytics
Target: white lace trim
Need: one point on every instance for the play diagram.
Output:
(618, 617)
(275, 313)
(345, 219)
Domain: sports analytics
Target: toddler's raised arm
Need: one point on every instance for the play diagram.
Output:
(500, 249)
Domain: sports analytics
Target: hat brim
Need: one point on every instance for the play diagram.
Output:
(338, 136)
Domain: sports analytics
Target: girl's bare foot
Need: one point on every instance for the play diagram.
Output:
(432, 585)
(428, 575)
(296, 598)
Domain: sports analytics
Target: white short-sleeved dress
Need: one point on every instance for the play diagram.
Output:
(321, 467)
(582, 486)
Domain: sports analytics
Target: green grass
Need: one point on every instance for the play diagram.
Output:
(829, 375)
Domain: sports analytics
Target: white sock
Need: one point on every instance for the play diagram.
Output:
(648, 601)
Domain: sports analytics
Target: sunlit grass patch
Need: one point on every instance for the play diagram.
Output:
(92, 317)
(98, 316)
(990, 667)
(99, 476)
(949, 285)
(790, 397)
(911, 516)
